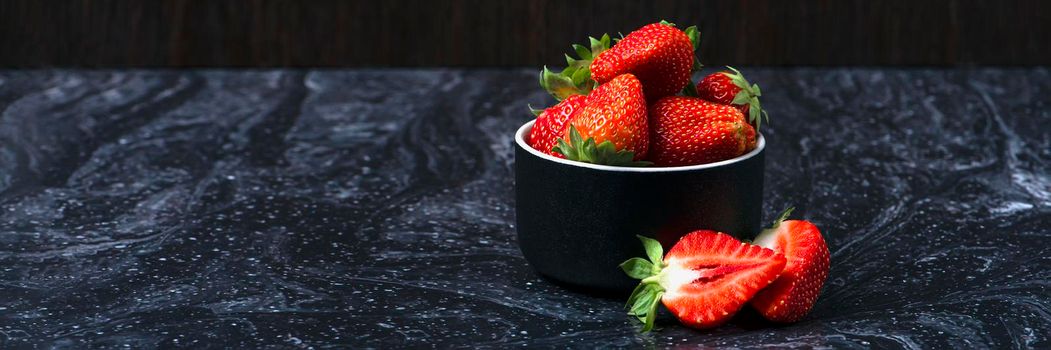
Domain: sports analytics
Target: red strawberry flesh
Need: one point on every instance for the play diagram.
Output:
(703, 280)
(711, 275)
(793, 294)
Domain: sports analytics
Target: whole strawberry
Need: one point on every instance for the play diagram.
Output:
(690, 131)
(731, 88)
(550, 124)
(611, 128)
(793, 294)
(703, 280)
(660, 55)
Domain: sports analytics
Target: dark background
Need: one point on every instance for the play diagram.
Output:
(268, 33)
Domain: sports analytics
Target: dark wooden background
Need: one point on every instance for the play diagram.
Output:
(384, 33)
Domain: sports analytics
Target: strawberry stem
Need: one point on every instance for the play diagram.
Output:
(784, 216)
(652, 279)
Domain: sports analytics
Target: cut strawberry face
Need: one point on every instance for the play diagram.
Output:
(703, 280)
(793, 294)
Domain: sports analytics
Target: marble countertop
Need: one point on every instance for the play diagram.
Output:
(374, 208)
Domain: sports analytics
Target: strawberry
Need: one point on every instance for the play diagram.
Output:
(688, 131)
(703, 280)
(733, 89)
(793, 294)
(660, 55)
(611, 128)
(551, 124)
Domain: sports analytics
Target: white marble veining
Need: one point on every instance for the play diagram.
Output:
(374, 208)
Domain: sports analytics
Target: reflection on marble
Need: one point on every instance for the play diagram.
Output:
(304, 209)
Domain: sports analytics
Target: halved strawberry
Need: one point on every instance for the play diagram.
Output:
(551, 124)
(793, 294)
(704, 279)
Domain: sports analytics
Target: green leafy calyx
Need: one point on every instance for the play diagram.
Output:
(749, 96)
(695, 36)
(588, 151)
(642, 304)
(575, 79)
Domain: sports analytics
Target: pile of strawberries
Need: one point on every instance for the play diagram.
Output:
(634, 104)
(708, 276)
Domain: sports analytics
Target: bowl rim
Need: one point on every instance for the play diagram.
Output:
(760, 144)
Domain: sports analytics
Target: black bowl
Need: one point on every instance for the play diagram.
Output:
(577, 222)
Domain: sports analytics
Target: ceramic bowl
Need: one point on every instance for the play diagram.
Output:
(577, 222)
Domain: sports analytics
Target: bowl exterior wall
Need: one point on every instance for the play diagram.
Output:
(577, 224)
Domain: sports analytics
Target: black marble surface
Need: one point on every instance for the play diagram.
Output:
(374, 208)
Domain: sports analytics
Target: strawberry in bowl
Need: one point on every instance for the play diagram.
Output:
(632, 146)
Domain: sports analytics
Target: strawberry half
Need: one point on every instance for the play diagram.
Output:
(703, 280)
(659, 54)
(550, 124)
(611, 128)
(793, 294)
(689, 131)
(731, 88)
